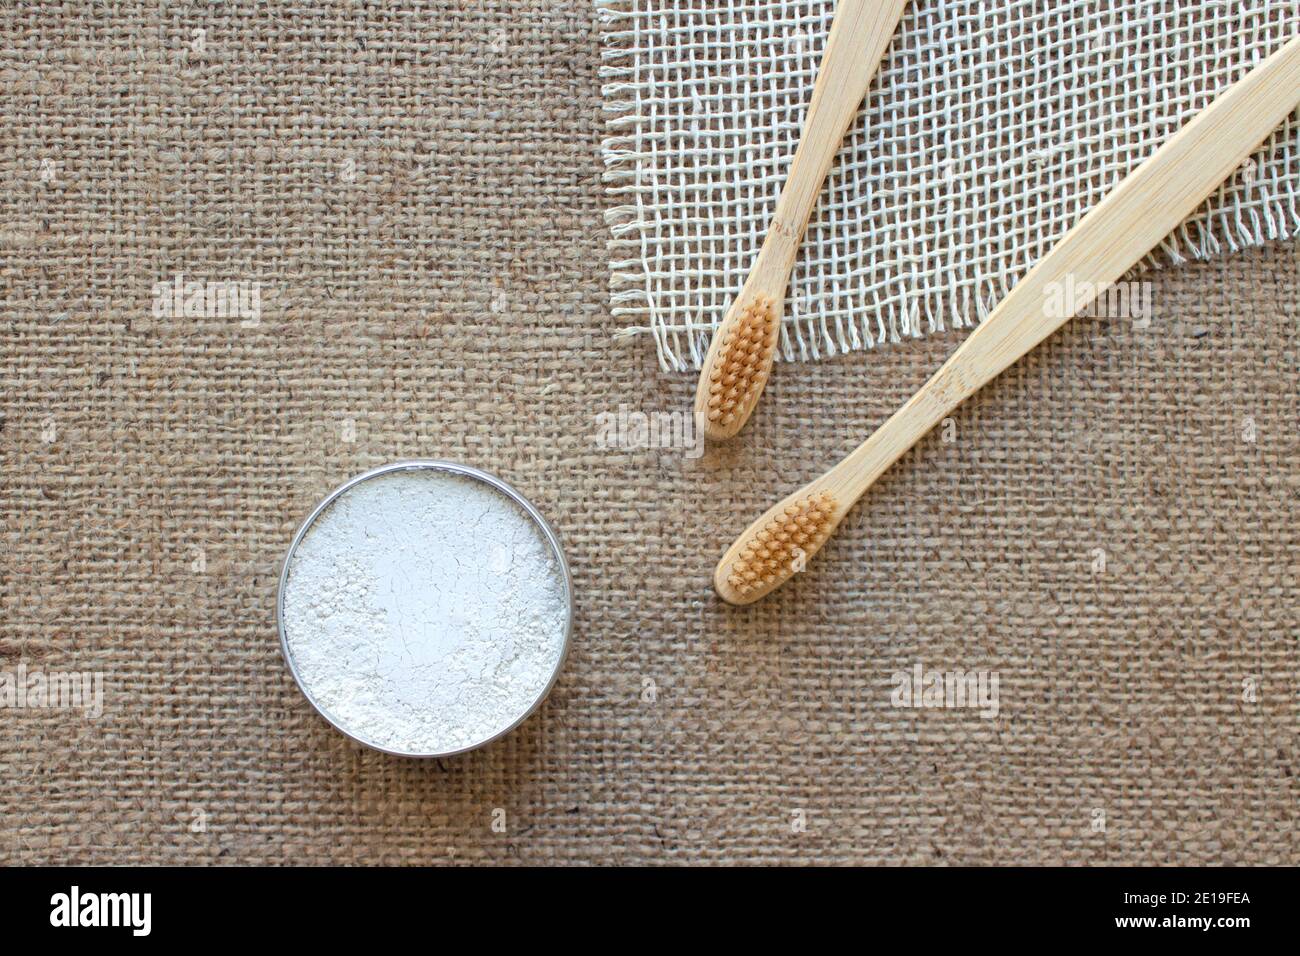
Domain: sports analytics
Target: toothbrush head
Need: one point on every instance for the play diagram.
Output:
(776, 547)
(738, 367)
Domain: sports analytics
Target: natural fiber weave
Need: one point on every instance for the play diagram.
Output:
(449, 301)
(993, 125)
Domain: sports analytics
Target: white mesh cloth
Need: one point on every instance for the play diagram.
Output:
(991, 128)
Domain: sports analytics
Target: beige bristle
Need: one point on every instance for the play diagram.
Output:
(769, 557)
(743, 360)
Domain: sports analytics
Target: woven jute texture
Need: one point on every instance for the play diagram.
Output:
(414, 192)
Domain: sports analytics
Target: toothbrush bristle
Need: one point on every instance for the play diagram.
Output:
(743, 363)
(784, 542)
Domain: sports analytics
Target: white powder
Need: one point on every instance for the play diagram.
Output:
(424, 611)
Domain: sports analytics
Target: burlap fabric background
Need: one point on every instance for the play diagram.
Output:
(416, 188)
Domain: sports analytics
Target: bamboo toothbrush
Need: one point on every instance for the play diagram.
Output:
(1142, 210)
(740, 358)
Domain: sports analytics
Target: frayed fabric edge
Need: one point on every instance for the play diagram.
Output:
(1206, 235)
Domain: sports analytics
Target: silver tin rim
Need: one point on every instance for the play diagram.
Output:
(468, 471)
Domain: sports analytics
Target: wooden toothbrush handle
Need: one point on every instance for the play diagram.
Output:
(859, 35)
(1143, 209)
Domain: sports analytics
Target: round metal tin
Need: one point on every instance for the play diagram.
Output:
(457, 469)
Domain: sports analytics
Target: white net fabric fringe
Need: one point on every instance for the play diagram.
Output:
(992, 126)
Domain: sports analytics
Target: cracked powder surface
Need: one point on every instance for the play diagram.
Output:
(424, 611)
